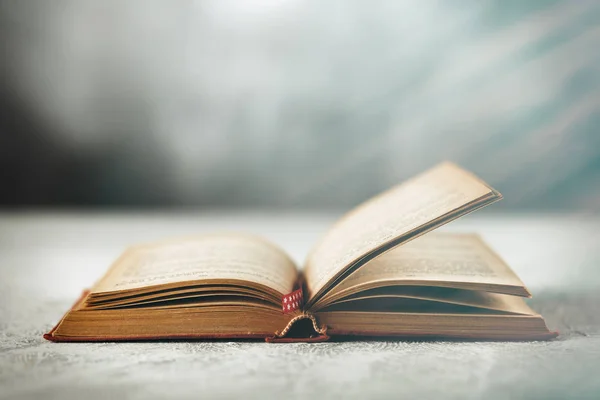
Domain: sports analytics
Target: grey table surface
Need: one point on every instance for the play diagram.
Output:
(46, 259)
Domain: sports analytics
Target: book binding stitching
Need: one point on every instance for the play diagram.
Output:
(322, 330)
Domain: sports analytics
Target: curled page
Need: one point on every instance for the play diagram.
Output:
(404, 212)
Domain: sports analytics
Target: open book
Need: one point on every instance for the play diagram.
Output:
(377, 272)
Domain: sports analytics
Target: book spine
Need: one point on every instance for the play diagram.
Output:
(303, 327)
(298, 330)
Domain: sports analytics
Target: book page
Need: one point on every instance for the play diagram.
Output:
(211, 257)
(445, 257)
(431, 300)
(399, 211)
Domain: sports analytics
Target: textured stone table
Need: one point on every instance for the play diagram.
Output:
(47, 258)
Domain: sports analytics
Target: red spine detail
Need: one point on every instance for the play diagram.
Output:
(292, 301)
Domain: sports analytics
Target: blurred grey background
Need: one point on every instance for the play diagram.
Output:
(295, 104)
